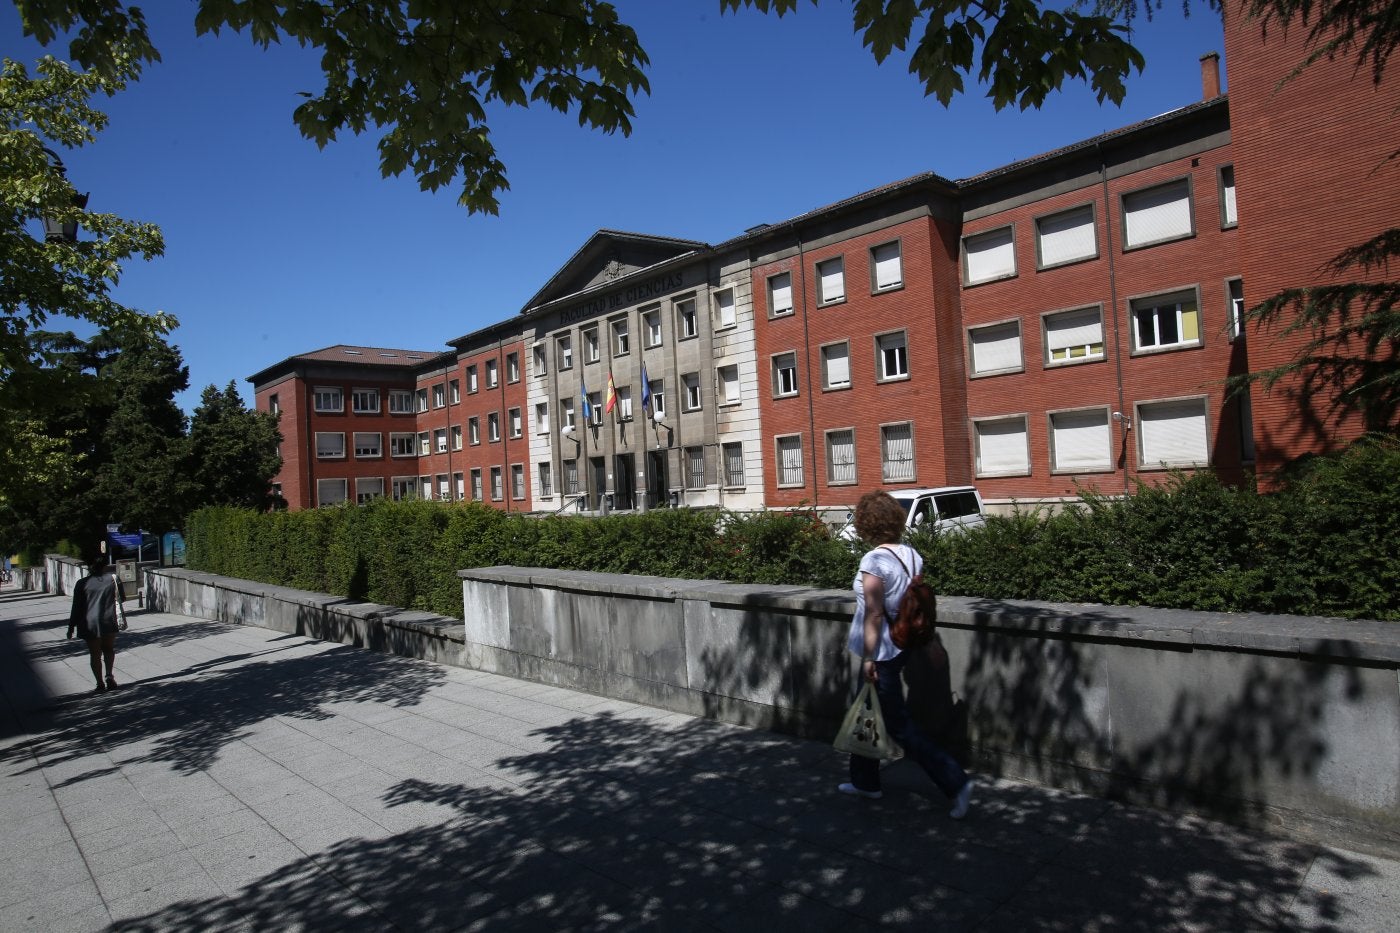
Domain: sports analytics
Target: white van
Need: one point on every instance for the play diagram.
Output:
(953, 508)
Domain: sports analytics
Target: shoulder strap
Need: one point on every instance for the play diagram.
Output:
(902, 564)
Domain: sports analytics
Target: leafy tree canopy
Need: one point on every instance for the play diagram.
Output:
(233, 451)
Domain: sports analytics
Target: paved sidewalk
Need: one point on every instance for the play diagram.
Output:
(243, 779)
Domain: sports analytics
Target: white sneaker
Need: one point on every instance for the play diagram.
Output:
(857, 792)
(962, 801)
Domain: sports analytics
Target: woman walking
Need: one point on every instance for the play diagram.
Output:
(885, 573)
(97, 615)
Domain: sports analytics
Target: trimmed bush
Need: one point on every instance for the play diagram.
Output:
(1327, 544)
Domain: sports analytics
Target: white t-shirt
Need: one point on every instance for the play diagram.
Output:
(883, 562)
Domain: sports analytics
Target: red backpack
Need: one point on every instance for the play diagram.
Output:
(912, 625)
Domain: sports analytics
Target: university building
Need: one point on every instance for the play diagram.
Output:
(1064, 322)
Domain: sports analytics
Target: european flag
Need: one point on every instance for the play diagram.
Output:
(646, 387)
(583, 397)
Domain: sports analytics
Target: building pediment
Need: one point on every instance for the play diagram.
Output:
(607, 256)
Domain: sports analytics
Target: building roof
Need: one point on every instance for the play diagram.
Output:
(353, 356)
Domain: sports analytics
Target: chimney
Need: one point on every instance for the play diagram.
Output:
(1210, 76)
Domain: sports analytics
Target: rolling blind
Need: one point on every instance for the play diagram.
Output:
(1067, 237)
(1080, 440)
(1173, 433)
(1001, 447)
(997, 347)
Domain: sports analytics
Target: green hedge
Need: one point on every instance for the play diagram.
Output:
(1326, 544)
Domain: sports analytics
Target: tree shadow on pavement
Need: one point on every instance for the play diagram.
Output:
(629, 821)
(185, 722)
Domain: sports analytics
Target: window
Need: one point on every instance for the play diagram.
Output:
(456, 437)
(658, 397)
(1074, 336)
(365, 401)
(444, 489)
(517, 427)
(564, 346)
(541, 417)
(621, 339)
(590, 345)
(728, 377)
(1066, 237)
(691, 381)
(892, 361)
(841, 457)
(725, 315)
(785, 374)
(400, 403)
(517, 481)
(780, 294)
(1172, 434)
(273, 405)
(330, 446)
(836, 366)
(886, 267)
(493, 427)
(546, 480)
(1002, 447)
(624, 403)
(369, 488)
(995, 348)
(476, 485)
(897, 452)
(400, 445)
(831, 281)
(1235, 315)
(687, 325)
(330, 492)
(733, 464)
(790, 460)
(328, 398)
(651, 324)
(454, 392)
(440, 440)
(403, 487)
(459, 489)
(1157, 215)
(566, 420)
(424, 444)
(989, 256)
(512, 367)
(276, 489)
(595, 407)
(473, 431)
(695, 468)
(369, 445)
(1079, 441)
(1228, 215)
(439, 395)
(571, 477)
(497, 490)
(422, 399)
(1166, 321)
(471, 380)
(541, 360)
(492, 377)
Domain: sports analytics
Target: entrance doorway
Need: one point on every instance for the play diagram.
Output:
(599, 487)
(658, 481)
(625, 483)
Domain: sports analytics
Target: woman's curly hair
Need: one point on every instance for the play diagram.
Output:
(879, 519)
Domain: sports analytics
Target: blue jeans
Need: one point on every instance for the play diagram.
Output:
(940, 766)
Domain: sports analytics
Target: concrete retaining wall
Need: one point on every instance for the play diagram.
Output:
(62, 573)
(1279, 721)
(297, 612)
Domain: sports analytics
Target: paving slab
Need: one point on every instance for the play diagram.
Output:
(244, 779)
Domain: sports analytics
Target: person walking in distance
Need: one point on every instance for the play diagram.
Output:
(97, 615)
(885, 573)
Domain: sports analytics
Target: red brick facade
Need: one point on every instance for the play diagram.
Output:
(1314, 159)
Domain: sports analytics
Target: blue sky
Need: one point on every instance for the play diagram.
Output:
(274, 247)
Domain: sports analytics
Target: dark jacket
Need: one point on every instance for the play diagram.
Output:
(96, 606)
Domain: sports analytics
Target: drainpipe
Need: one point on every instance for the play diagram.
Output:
(1113, 299)
(807, 355)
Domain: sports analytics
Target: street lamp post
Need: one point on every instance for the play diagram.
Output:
(56, 231)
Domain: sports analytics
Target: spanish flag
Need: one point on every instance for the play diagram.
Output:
(612, 396)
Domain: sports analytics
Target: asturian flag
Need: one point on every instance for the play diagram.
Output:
(646, 388)
(583, 399)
